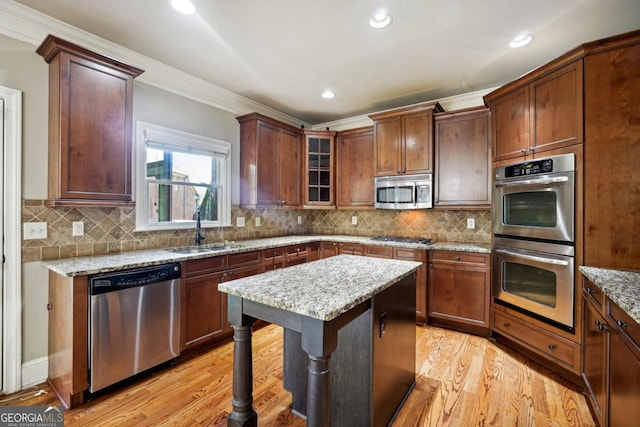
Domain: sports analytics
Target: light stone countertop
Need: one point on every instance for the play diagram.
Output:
(622, 287)
(79, 266)
(322, 289)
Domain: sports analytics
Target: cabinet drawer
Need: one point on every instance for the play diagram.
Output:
(271, 254)
(379, 251)
(625, 323)
(553, 347)
(244, 258)
(239, 273)
(453, 256)
(204, 265)
(594, 292)
(295, 251)
(411, 254)
(351, 249)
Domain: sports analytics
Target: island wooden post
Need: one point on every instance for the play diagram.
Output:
(319, 340)
(243, 414)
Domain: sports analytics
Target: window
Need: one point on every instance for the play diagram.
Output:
(179, 174)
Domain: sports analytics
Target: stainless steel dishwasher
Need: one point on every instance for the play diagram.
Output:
(134, 322)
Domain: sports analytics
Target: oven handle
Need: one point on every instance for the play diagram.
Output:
(542, 181)
(534, 258)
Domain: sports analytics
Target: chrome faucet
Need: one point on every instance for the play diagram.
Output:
(199, 236)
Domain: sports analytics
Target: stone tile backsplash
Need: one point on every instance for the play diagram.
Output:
(112, 230)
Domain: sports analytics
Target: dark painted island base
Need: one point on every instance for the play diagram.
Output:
(354, 370)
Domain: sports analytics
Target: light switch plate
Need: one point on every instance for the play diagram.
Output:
(257, 221)
(354, 220)
(471, 223)
(299, 219)
(35, 230)
(240, 221)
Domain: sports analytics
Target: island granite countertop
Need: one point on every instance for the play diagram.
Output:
(322, 289)
(79, 266)
(620, 286)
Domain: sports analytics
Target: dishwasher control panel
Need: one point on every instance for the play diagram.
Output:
(109, 282)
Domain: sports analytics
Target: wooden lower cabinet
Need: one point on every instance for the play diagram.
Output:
(421, 279)
(611, 362)
(459, 291)
(350, 249)
(204, 313)
(328, 249)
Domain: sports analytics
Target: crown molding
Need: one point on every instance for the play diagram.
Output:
(451, 103)
(25, 24)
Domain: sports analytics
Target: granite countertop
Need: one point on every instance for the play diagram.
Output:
(322, 289)
(622, 287)
(121, 261)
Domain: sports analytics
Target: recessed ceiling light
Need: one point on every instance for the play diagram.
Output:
(328, 94)
(521, 40)
(184, 6)
(380, 19)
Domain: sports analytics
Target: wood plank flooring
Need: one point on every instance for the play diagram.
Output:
(462, 380)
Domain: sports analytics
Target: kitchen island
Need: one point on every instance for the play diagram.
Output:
(349, 323)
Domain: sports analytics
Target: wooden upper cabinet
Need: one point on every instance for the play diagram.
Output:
(319, 170)
(90, 126)
(462, 176)
(612, 154)
(403, 140)
(355, 169)
(541, 115)
(270, 162)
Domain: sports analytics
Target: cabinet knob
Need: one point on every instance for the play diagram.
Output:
(622, 324)
(457, 258)
(506, 325)
(551, 346)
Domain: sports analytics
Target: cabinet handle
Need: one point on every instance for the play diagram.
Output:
(506, 325)
(49, 306)
(523, 150)
(457, 258)
(551, 346)
(589, 290)
(622, 324)
(532, 149)
(601, 325)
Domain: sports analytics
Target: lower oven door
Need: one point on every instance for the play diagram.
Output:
(538, 281)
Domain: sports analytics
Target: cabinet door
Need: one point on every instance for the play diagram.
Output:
(417, 138)
(458, 294)
(319, 158)
(594, 360)
(463, 160)
(624, 381)
(510, 120)
(355, 169)
(421, 279)
(328, 249)
(556, 109)
(388, 146)
(203, 313)
(289, 168)
(268, 192)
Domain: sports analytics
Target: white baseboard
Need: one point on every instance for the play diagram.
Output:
(35, 372)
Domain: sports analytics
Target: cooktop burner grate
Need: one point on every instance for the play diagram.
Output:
(420, 240)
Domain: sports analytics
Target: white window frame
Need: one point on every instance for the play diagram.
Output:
(158, 136)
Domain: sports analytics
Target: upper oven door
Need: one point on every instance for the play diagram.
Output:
(539, 207)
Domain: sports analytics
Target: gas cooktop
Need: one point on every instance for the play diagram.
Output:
(420, 240)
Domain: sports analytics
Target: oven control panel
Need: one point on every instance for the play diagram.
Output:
(529, 168)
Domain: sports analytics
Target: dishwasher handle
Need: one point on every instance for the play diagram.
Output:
(114, 281)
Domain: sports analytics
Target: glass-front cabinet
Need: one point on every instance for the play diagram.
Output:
(319, 185)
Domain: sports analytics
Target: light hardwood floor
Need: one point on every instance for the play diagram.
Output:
(462, 380)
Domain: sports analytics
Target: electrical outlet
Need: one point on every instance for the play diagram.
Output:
(240, 221)
(35, 230)
(299, 219)
(354, 220)
(471, 223)
(78, 228)
(257, 221)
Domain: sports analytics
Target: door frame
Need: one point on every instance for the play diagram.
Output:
(11, 225)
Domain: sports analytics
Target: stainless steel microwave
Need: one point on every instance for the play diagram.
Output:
(404, 192)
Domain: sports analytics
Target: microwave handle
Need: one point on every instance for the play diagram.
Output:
(534, 258)
(533, 181)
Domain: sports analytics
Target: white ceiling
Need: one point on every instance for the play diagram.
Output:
(284, 53)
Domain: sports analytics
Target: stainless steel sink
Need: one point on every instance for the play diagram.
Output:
(204, 249)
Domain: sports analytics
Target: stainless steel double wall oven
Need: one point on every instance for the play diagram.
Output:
(534, 243)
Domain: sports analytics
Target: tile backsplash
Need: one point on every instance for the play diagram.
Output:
(112, 230)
